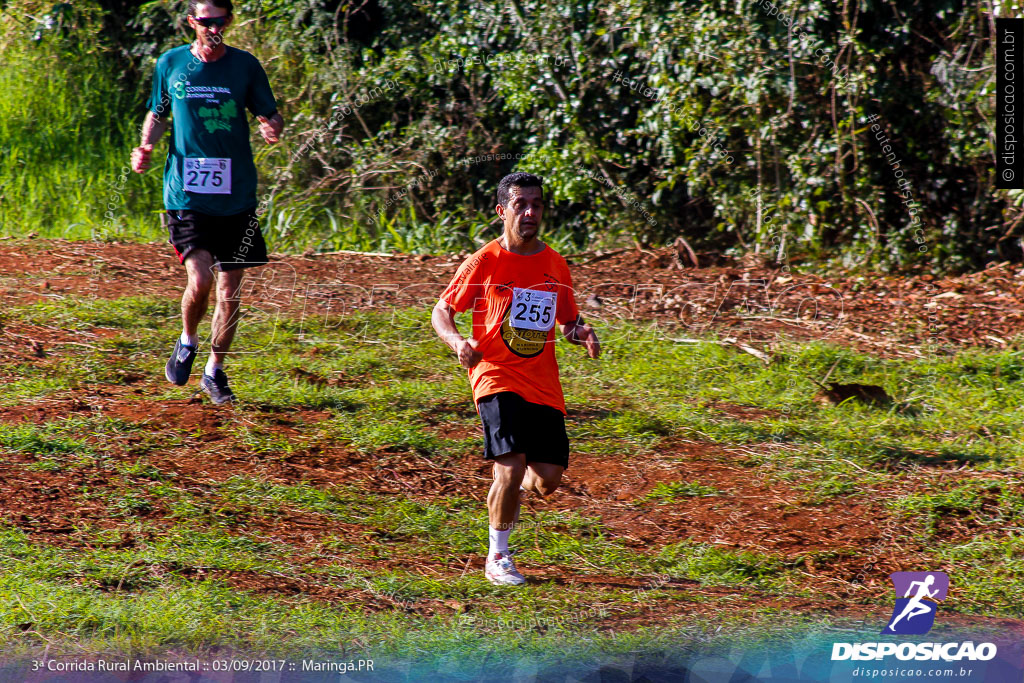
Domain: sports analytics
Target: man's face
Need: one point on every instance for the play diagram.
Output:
(209, 36)
(522, 215)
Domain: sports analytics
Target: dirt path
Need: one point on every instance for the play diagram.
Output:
(753, 302)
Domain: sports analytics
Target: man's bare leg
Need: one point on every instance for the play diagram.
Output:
(503, 498)
(512, 477)
(225, 315)
(225, 322)
(199, 269)
(542, 478)
(196, 299)
(502, 506)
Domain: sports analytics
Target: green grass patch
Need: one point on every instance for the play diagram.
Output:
(989, 573)
(42, 440)
(978, 502)
(716, 567)
(78, 313)
(677, 490)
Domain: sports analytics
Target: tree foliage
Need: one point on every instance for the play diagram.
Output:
(742, 126)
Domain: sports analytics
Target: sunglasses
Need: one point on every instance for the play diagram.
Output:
(207, 22)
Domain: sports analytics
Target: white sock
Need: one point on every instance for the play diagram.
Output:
(499, 541)
(212, 367)
(189, 341)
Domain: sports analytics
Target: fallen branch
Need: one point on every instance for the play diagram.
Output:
(727, 342)
(347, 252)
(681, 245)
(599, 256)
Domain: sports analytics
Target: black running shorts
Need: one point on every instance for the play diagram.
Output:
(513, 425)
(234, 241)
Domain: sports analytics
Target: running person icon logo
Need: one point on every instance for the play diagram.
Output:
(921, 592)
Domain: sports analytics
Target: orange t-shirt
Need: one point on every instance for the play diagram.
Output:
(516, 303)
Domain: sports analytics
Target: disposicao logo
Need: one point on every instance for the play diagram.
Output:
(917, 598)
(914, 613)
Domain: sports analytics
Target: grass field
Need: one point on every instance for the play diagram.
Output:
(338, 507)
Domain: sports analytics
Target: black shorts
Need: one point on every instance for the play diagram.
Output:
(513, 425)
(234, 241)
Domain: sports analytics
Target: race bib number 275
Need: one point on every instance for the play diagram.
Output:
(207, 176)
(533, 310)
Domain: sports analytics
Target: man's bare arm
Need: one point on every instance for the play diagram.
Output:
(442, 318)
(580, 333)
(271, 128)
(153, 127)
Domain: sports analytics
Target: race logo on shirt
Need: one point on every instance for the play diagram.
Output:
(527, 320)
(218, 118)
(218, 110)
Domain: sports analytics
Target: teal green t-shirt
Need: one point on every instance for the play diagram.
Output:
(209, 166)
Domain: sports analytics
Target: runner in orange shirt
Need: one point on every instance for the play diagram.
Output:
(518, 289)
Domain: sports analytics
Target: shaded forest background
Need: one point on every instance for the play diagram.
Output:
(743, 127)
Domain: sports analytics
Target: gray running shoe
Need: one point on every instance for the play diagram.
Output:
(217, 387)
(179, 365)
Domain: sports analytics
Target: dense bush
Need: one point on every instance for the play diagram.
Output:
(739, 126)
(65, 124)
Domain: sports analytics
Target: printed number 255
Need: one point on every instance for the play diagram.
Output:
(543, 315)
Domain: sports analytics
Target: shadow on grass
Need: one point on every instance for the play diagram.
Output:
(897, 457)
(590, 414)
(675, 584)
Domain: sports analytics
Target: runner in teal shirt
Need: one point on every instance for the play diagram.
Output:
(208, 103)
(209, 179)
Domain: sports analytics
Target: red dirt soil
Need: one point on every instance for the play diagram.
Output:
(749, 301)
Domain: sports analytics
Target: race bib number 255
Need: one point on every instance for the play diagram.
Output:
(533, 310)
(207, 176)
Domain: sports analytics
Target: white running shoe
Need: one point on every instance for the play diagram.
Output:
(501, 571)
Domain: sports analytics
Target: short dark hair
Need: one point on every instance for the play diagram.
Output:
(518, 179)
(222, 4)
